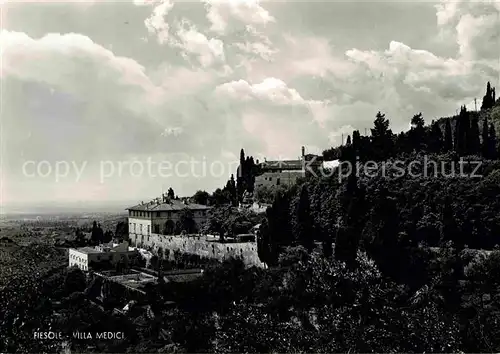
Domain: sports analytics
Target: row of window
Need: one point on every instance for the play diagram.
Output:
(133, 227)
(158, 214)
(75, 257)
(79, 265)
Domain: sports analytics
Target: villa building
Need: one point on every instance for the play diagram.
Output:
(160, 216)
(287, 172)
(84, 257)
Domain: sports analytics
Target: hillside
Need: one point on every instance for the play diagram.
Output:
(491, 114)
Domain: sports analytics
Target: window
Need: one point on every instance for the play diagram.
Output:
(148, 230)
(270, 178)
(277, 181)
(157, 214)
(135, 228)
(140, 228)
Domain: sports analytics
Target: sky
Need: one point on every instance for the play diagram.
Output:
(120, 100)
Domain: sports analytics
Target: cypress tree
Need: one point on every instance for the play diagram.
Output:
(449, 229)
(473, 143)
(448, 138)
(485, 145)
(356, 142)
(303, 229)
(240, 176)
(278, 217)
(462, 132)
(489, 97)
(436, 138)
(492, 138)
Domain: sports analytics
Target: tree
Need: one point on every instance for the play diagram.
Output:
(278, 218)
(349, 232)
(264, 249)
(241, 176)
(492, 138)
(220, 197)
(462, 132)
(304, 228)
(436, 138)
(97, 235)
(232, 191)
(382, 137)
(485, 146)
(417, 121)
(449, 229)
(201, 197)
(171, 193)
(448, 137)
(121, 231)
(74, 280)
(474, 146)
(384, 222)
(489, 97)
(108, 236)
(417, 132)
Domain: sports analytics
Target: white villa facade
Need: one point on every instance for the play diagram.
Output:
(84, 257)
(160, 216)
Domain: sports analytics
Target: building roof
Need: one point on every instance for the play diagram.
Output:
(283, 165)
(172, 205)
(88, 250)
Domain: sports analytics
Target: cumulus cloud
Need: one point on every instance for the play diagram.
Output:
(156, 23)
(474, 25)
(191, 41)
(78, 60)
(221, 12)
(271, 89)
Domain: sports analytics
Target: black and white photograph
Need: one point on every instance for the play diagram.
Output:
(249, 176)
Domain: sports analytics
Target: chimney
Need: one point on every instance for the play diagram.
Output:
(303, 151)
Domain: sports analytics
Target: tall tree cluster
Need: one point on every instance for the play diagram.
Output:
(245, 179)
(489, 98)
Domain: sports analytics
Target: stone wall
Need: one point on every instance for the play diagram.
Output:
(201, 247)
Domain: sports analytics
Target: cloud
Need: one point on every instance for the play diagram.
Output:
(474, 25)
(156, 23)
(221, 12)
(78, 60)
(191, 41)
(271, 89)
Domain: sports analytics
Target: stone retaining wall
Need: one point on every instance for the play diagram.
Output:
(200, 246)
